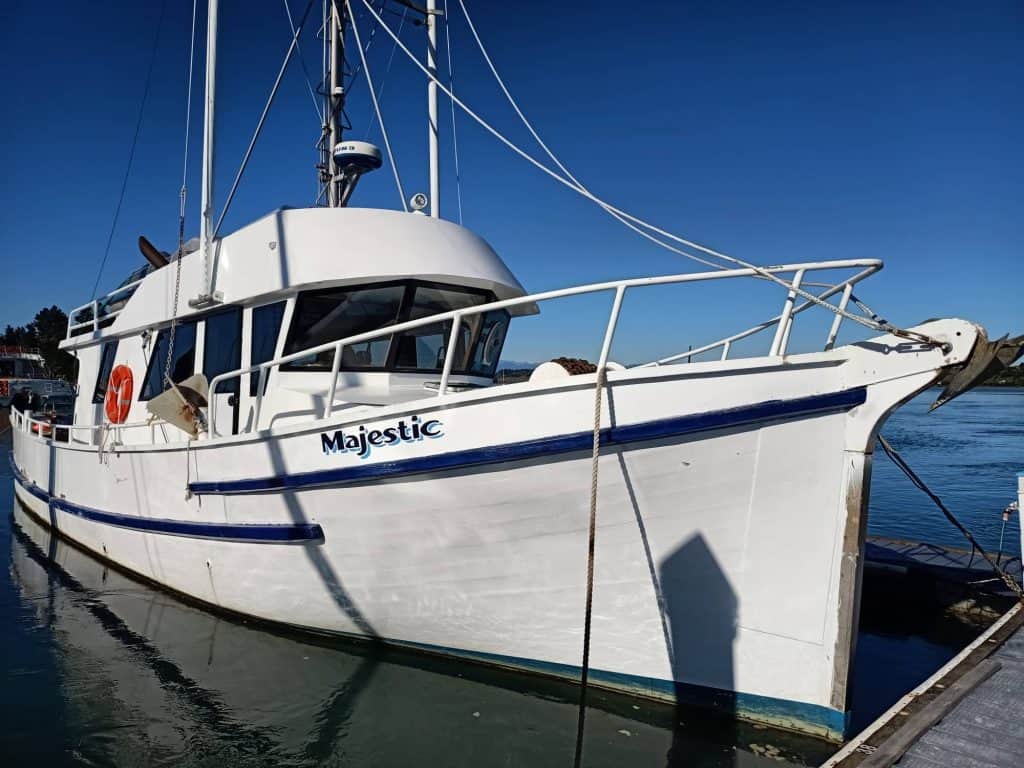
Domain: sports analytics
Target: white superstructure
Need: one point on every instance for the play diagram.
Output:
(357, 471)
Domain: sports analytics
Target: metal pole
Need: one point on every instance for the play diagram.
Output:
(336, 100)
(435, 179)
(838, 319)
(449, 355)
(206, 226)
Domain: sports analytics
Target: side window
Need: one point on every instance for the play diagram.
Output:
(222, 348)
(182, 365)
(266, 326)
(106, 366)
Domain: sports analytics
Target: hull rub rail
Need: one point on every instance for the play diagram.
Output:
(746, 415)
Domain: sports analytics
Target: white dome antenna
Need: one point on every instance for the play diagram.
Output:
(353, 159)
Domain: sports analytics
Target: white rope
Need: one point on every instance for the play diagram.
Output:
(760, 271)
(455, 135)
(536, 136)
(376, 106)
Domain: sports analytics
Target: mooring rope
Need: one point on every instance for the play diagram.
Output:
(902, 464)
(595, 455)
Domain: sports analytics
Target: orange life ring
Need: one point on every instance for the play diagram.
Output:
(119, 394)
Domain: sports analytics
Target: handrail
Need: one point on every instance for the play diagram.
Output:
(868, 267)
(94, 321)
(23, 420)
(846, 286)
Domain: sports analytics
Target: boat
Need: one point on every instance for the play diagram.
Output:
(299, 421)
(23, 369)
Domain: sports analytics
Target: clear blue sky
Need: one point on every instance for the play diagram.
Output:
(776, 132)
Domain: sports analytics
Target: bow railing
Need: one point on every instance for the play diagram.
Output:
(783, 323)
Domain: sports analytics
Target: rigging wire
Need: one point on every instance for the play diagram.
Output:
(369, 42)
(262, 120)
(135, 143)
(900, 462)
(302, 62)
(387, 71)
(455, 135)
(376, 106)
(759, 271)
(183, 195)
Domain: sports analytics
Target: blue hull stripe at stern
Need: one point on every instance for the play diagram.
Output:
(742, 416)
(260, 533)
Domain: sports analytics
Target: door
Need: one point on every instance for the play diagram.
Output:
(222, 352)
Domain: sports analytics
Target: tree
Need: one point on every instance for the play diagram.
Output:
(49, 328)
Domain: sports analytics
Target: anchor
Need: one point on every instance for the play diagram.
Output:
(986, 360)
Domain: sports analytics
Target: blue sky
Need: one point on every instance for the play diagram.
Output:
(776, 132)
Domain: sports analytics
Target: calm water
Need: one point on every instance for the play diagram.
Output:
(969, 452)
(100, 670)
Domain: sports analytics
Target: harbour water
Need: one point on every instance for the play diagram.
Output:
(99, 669)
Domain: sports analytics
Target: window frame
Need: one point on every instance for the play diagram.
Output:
(404, 309)
(230, 386)
(194, 322)
(254, 376)
(110, 346)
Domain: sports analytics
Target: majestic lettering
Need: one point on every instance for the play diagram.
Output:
(363, 441)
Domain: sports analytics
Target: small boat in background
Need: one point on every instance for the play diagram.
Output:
(22, 369)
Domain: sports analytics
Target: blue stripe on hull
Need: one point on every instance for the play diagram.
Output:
(261, 533)
(742, 416)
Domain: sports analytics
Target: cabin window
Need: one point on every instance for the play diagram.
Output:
(183, 362)
(324, 316)
(222, 347)
(106, 366)
(424, 348)
(7, 368)
(266, 327)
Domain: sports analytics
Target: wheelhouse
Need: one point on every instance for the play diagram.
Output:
(287, 288)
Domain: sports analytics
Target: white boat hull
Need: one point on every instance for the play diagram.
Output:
(731, 514)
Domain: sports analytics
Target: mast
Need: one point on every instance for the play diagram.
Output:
(334, 80)
(206, 225)
(435, 179)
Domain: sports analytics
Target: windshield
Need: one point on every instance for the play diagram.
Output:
(324, 316)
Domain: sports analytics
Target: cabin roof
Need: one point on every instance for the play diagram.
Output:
(302, 248)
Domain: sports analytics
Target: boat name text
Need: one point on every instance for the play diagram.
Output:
(365, 440)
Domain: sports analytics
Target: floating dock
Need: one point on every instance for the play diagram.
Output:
(944, 567)
(969, 714)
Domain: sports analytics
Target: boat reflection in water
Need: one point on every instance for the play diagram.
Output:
(149, 679)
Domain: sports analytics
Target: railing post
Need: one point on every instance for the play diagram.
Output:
(259, 398)
(782, 332)
(449, 354)
(725, 350)
(335, 367)
(838, 319)
(609, 332)
(95, 315)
